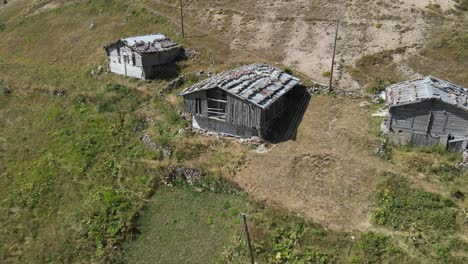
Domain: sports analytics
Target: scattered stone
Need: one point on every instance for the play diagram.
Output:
(190, 53)
(60, 93)
(464, 163)
(181, 132)
(263, 148)
(176, 83)
(252, 142)
(381, 112)
(384, 128)
(364, 104)
(183, 174)
(92, 26)
(148, 142)
(7, 90)
(318, 89)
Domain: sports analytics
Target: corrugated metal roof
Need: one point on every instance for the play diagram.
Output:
(146, 39)
(259, 84)
(148, 43)
(426, 88)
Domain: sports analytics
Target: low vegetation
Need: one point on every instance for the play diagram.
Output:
(448, 47)
(376, 71)
(402, 207)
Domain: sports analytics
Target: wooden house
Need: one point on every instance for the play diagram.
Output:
(243, 102)
(428, 111)
(142, 57)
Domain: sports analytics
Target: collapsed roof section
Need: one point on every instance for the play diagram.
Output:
(259, 84)
(418, 90)
(147, 43)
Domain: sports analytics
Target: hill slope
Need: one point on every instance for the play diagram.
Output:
(75, 174)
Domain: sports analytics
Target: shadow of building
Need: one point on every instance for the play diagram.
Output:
(285, 127)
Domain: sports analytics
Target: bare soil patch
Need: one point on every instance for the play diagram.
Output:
(328, 174)
(300, 33)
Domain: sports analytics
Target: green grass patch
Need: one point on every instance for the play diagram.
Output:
(180, 223)
(282, 237)
(402, 207)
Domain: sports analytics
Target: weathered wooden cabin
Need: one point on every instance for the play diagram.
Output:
(143, 57)
(243, 102)
(428, 111)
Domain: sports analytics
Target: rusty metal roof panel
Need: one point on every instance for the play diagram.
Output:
(426, 88)
(148, 43)
(259, 84)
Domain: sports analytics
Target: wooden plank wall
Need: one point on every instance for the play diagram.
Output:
(242, 113)
(434, 117)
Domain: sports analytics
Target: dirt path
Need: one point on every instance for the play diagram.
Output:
(327, 174)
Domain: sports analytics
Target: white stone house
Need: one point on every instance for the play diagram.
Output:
(143, 57)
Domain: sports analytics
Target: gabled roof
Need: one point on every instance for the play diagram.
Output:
(147, 43)
(258, 84)
(429, 87)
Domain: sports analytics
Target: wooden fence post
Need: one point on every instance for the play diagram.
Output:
(246, 228)
(182, 18)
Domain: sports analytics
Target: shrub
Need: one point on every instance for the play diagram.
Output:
(288, 70)
(326, 74)
(378, 25)
(112, 219)
(378, 85)
(457, 194)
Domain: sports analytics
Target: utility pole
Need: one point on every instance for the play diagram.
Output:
(333, 58)
(182, 18)
(246, 228)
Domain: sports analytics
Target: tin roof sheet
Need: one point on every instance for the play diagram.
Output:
(148, 43)
(259, 84)
(426, 88)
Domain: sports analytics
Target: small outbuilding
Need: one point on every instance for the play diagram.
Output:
(144, 57)
(243, 102)
(428, 111)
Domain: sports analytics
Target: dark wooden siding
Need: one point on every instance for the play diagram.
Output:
(433, 117)
(242, 113)
(190, 103)
(238, 112)
(242, 117)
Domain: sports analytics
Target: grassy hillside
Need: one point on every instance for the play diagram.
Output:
(74, 171)
(78, 185)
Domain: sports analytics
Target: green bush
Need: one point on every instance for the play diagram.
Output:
(288, 70)
(375, 246)
(326, 74)
(378, 85)
(112, 219)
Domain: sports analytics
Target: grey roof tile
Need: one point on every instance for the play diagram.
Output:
(259, 84)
